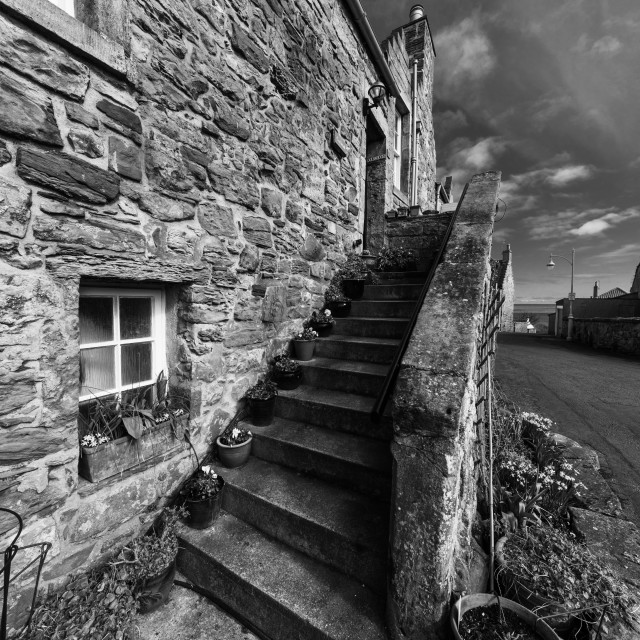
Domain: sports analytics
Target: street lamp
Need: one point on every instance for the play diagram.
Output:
(550, 265)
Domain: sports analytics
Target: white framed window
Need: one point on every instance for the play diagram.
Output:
(397, 152)
(66, 5)
(122, 340)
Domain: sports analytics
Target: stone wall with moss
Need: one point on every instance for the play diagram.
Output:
(202, 162)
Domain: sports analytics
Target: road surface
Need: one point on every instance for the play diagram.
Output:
(592, 395)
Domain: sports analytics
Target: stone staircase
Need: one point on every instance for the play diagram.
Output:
(300, 548)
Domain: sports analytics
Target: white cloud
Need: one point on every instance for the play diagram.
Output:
(623, 253)
(591, 222)
(606, 46)
(465, 55)
(563, 176)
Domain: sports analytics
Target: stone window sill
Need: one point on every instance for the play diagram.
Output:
(58, 25)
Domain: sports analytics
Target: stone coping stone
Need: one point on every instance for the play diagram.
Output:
(599, 497)
(190, 616)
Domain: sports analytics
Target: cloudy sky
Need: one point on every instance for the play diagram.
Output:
(548, 92)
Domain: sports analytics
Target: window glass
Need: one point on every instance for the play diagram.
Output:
(135, 318)
(136, 363)
(96, 320)
(397, 148)
(97, 370)
(65, 5)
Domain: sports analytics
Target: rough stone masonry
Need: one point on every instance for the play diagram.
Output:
(188, 147)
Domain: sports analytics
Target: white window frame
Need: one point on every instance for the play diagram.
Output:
(397, 153)
(157, 338)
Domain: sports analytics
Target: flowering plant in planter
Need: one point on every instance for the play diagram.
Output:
(286, 372)
(235, 436)
(206, 483)
(320, 318)
(334, 293)
(306, 335)
(354, 268)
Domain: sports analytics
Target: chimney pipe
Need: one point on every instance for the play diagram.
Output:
(596, 286)
(417, 12)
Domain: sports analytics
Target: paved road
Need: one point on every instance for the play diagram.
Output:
(593, 396)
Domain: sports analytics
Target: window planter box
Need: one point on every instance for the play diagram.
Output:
(115, 457)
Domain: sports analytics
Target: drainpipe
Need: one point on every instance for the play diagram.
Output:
(363, 26)
(414, 136)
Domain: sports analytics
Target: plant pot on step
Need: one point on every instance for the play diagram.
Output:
(262, 411)
(339, 308)
(353, 289)
(235, 455)
(304, 349)
(202, 513)
(517, 614)
(289, 380)
(153, 592)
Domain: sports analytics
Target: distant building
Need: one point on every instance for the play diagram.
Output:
(503, 273)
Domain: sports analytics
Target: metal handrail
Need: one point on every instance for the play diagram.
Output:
(389, 381)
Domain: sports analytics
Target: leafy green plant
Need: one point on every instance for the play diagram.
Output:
(333, 293)
(261, 390)
(205, 483)
(235, 436)
(395, 259)
(97, 605)
(322, 318)
(283, 363)
(354, 268)
(306, 334)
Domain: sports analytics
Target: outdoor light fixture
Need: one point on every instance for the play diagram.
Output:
(376, 93)
(572, 296)
(418, 127)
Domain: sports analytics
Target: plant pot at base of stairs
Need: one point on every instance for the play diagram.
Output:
(153, 592)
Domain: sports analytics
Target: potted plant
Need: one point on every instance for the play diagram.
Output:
(151, 559)
(335, 300)
(123, 431)
(484, 615)
(321, 322)
(202, 495)
(396, 259)
(304, 343)
(286, 372)
(354, 273)
(369, 259)
(234, 446)
(262, 402)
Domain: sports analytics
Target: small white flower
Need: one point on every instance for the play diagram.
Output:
(327, 313)
(235, 433)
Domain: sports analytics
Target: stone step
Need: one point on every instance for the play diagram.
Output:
(338, 526)
(284, 593)
(363, 378)
(358, 463)
(332, 409)
(363, 349)
(382, 308)
(391, 291)
(370, 327)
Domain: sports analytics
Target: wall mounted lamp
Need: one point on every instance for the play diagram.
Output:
(376, 93)
(418, 127)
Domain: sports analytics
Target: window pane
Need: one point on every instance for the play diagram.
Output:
(96, 320)
(135, 318)
(136, 362)
(97, 370)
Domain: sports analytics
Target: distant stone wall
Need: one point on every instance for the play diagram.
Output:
(621, 335)
(435, 441)
(199, 157)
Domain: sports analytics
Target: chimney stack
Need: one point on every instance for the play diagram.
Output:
(417, 12)
(596, 286)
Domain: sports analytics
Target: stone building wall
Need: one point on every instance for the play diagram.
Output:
(195, 154)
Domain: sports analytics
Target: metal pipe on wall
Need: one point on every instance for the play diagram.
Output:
(414, 135)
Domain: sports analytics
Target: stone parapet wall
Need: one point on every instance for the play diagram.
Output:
(210, 170)
(621, 335)
(435, 443)
(422, 234)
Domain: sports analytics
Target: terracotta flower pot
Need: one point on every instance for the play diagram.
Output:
(153, 592)
(235, 455)
(262, 411)
(353, 289)
(542, 629)
(304, 349)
